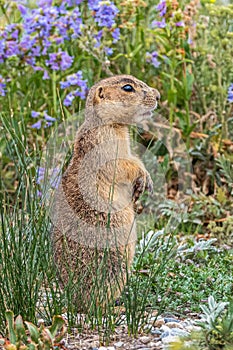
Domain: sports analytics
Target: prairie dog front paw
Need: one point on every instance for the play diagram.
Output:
(142, 183)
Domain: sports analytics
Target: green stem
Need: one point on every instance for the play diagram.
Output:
(221, 103)
(54, 91)
(172, 88)
(5, 14)
(128, 69)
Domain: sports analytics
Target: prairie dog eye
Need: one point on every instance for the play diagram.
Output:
(128, 88)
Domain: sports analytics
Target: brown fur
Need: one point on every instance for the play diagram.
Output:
(95, 233)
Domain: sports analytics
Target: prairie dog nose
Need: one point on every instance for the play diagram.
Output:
(157, 94)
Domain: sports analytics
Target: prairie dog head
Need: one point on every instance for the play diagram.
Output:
(121, 99)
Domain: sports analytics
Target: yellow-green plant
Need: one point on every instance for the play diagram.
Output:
(32, 337)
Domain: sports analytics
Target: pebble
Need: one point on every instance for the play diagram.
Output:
(159, 322)
(170, 319)
(119, 344)
(173, 332)
(170, 339)
(193, 328)
(144, 339)
(155, 332)
(174, 325)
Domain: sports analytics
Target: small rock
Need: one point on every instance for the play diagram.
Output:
(170, 319)
(144, 339)
(153, 345)
(167, 332)
(155, 332)
(158, 344)
(170, 339)
(193, 328)
(110, 348)
(174, 325)
(158, 323)
(102, 348)
(119, 344)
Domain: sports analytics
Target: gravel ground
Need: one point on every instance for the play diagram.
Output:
(163, 332)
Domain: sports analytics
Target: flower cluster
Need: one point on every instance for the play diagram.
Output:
(166, 11)
(42, 29)
(170, 23)
(153, 58)
(104, 12)
(59, 60)
(49, 24)
(44, 121)
(51, 177)
(230, 94)
(40, 38)
(74, 80)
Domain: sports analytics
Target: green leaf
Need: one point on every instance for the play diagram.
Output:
(172, 96)
(188, 84)
(19, 327)
(47, 339)
(57, 326)
(10, 325)
(34, 332)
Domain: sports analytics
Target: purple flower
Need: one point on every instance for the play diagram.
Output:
(93, 4)
(37, 125)
(44, 3)
(68, 99)
(40, 175)
(35, 114)
(75, 23)
(47, 121)
(230, 93)
(2, 86)
(54, 176)
(152, 58)
(71, 3)
(60, 60)
(22, 9)
(39, 193)
(48, 118)
(46, 75)
(116, 35)
(98, 37)
(190, 41)
(108, 51)
(105, 12)
(74, 80)
(162, 8)
(159, 24)
(179, 24)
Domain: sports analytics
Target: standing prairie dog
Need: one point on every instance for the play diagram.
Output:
(94, 234)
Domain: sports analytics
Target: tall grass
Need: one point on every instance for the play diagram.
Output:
(24, 232)
(29, 280)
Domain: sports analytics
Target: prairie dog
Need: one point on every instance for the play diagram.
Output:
(95, 232)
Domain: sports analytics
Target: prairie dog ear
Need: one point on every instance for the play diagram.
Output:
(99, 95)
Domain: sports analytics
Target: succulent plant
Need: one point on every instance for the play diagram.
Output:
(32, 337)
